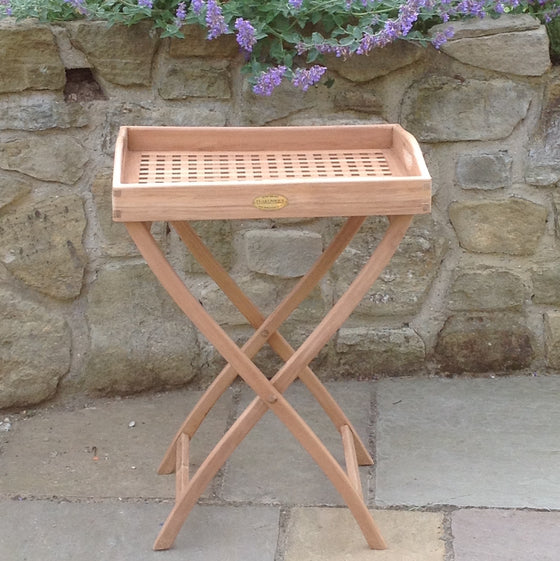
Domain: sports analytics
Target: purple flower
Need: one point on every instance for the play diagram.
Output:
(408, 14)
(306, 77)
(146, 4)
(7, 7)
(245, 34)
(471, 8)
(335, 49)
(390, 32)
(196, 6)
(295, 4)
(367, 43)
(269, 79)
(442, 37)
(215, 20)
(180, 14)
(78, 5)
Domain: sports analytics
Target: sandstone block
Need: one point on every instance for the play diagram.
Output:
(50, 158)
(217, 236)
(12, 189)
(331, 534)
(542, 169)
(119, 54)
(512, 226)
(5, 276)
(495, 44)
(476, 27)
(543, 165)
(366, 351)
(195, 43)
(71, 57)
(139, 338)
(35, 350)
(195, 78)
(116, 241)
(484, 170)
(259, 110)
(37, 112)
(41, 244)
(442, 109)
(487, 290)
(358, 99)
(484, 343)
(556, 207)
(546, 285)
(378, 63)
(30, 59)
(282, 253)
(404, 284)
(552, 339)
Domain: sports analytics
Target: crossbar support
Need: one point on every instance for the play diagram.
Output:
(182, 464)
(350, 457)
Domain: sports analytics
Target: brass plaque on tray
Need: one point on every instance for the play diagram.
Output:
(270, 202)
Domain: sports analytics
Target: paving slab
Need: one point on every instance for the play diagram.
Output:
(505, 535)
(63, 531)
(52, 452)
(469, 442)
(331, 534)
(270, 466)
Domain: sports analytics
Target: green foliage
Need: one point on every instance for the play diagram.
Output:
(553, 28)
(289, 39)
(43, 10)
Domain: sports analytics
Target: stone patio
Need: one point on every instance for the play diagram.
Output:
(466, 470)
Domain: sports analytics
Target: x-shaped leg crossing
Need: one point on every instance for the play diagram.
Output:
(269, 392)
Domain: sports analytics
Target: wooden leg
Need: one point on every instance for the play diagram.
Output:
(272, 323)
(346, 304)
(266, 390)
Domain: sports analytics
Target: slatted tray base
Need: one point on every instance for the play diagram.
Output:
(224, 167)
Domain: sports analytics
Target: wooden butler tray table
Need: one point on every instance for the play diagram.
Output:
(178, 174)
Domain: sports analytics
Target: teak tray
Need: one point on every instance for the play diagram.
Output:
(201, 173)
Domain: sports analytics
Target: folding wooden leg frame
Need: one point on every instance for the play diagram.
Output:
(269, 392)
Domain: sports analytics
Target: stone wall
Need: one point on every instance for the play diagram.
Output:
(474, 288)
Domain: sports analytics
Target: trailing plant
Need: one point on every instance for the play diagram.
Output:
(288, 40)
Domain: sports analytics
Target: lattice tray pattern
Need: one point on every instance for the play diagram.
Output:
(174, 173)
(223, 167)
